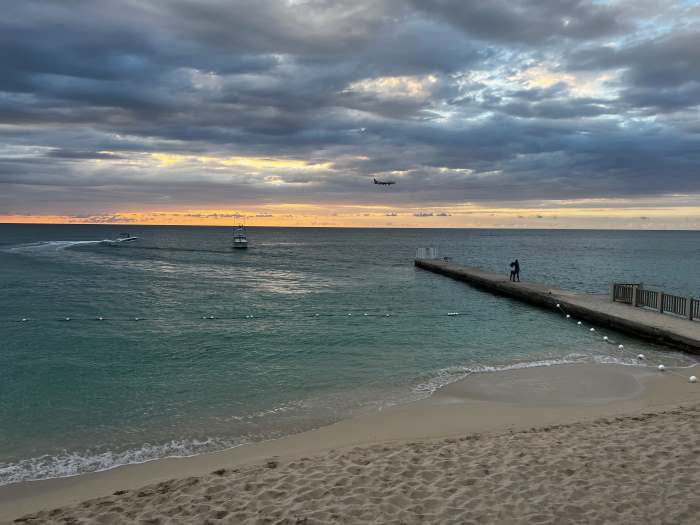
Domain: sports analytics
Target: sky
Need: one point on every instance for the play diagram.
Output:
(498, 113)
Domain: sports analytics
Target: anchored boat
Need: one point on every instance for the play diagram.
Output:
(240, 239)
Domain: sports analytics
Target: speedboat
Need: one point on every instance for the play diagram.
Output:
(240, 240)
(123, 238)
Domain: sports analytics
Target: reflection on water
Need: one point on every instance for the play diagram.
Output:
(289, 346)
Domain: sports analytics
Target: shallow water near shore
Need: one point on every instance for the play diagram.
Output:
(309, 326)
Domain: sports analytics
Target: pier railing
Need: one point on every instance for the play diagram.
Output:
(427, 253)
(636, 295)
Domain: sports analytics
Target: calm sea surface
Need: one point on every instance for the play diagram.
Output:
(310, 326)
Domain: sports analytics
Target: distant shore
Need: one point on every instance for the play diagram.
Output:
(535, 444)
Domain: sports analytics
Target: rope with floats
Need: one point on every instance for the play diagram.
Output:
(638, 357)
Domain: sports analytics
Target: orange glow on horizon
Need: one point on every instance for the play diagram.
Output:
(367, 216)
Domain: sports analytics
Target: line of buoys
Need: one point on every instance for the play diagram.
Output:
(232, 318)
(640, 357)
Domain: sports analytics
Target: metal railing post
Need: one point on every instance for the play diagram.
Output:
(689, 306)
(635, 295)
(661, 302)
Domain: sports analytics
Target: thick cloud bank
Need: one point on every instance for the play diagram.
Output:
(202, 103)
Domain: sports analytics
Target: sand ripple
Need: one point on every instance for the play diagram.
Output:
(639, 469)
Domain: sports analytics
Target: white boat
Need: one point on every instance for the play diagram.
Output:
(123, 238)
(240, 240)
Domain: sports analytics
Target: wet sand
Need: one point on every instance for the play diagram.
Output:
(564, 444)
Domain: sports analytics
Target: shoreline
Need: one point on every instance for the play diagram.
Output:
(483, 404)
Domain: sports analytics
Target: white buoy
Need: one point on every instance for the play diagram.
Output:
(349, 315)
(67, 318)
(211, 317)
(605, 338)
(661, 368)
(579, 323)
(692, 379)
(100, 318)
(136, 319)
(24, 319)
(365, 314)
(641, 357)
(621, 347)
(592, 329)
(204, 317)
(388, 315)
(568, 316)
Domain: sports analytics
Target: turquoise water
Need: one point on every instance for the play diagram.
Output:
(290, 347)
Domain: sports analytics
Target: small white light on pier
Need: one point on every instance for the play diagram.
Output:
(592, 329)
(605, 338)
(641, 357)
(558, 305)
(579, 323)
(621, 347)
(692, 379)
(568, 316)
(661, 368)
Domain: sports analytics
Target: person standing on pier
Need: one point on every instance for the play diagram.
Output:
(516, 270)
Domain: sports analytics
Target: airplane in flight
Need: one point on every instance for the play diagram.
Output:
(384, 182)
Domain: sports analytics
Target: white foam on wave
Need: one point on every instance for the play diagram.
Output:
(69, 464)
(452, 374)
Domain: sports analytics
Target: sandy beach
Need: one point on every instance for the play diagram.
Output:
(564, 444)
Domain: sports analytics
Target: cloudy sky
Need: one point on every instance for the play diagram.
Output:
(510, 113)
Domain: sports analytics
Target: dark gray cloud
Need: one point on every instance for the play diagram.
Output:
(459, 101)
(529, 21)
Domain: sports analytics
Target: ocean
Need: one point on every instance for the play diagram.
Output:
(201, 347)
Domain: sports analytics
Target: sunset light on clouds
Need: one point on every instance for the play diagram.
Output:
(556, 114)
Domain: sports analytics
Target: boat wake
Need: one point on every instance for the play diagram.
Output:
(47, 246)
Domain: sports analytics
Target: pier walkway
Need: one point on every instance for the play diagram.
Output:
(598, 309)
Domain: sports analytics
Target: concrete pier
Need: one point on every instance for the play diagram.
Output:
(597, 309)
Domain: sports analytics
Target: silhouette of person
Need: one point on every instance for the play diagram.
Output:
(516, 270)
(512, 271)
